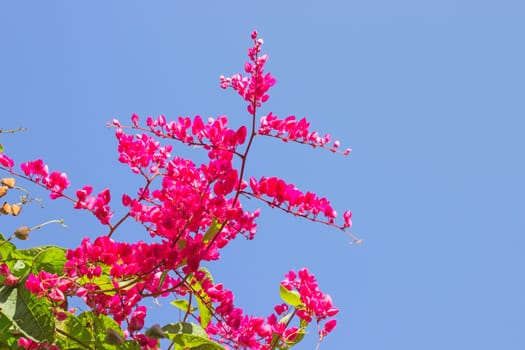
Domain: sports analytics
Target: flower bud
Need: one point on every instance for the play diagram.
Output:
(113, 338)
(155, 332)
(11, 280)
(22, 233)
(3, 191)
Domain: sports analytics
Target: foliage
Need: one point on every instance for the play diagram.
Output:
(189, 212)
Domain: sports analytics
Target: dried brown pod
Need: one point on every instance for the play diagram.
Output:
(16, 209)
(6, 209)
(22, 233)
(9, 181)
(3, 190)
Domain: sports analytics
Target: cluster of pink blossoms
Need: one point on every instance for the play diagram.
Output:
(191, 212)
(249, 332)
(56, 182)
(288, 198)
(252, 88)
(317, 304)
(289, 129)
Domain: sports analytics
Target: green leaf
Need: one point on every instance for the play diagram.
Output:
(51, 259)
(1, 148)
(212, 231)
(184, 328)
(291, 297)
(81, 335)
(204, 312)
(30, 315)
(5, 326)
(203, 301)
(189, 336)
(30, 253)
(98, 326)
(5, 249)
(183, 304)
(20, 268)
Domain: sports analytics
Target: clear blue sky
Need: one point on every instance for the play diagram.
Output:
(428, 94)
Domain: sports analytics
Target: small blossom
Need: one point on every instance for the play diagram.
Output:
(6, 161)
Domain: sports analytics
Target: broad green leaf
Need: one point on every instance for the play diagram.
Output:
(184, 328)
(31, 315)
(183, 304)
(98, 326)
(291, 297)
(189, 336)
(30, 253)
(76, 328)
(5, 326)
(20, 268)
(212, 231)
(51, 259)
(5, 249)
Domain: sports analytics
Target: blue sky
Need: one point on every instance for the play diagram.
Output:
(428, 94)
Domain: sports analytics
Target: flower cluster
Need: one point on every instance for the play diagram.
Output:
(254, 87)
(290, 199)
(97, 205)
(49, 285)
(317, 305)
(141, 152)
(289, 129)
(56, 182)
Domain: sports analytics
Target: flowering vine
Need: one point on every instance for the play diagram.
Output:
(190, 212)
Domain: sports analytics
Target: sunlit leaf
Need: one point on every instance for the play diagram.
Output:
(291, 297)
(51, 259)
(189, 336)
(212, 231)
(29, 314)
(183, 304)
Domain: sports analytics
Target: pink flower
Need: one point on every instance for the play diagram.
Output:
(328, 327)
(347, 216)
(6, 161)
(137, 319)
